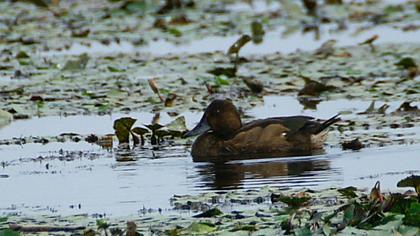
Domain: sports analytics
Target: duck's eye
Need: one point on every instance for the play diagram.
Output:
(284, 134)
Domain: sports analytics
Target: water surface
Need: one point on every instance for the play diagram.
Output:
(74, 178)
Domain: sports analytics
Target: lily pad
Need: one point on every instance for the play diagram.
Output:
(5, 117)
(406, 63)
(209, 213)
(411, 181)
(78, 64)
(122, 128)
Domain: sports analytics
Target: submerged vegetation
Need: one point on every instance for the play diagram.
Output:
(125, 59)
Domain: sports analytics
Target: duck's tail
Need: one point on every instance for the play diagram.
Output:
(328, 123)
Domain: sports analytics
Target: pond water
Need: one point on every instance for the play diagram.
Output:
(75, 178)
(274, 41)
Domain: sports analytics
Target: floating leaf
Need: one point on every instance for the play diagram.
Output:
(175, 32)
(200, 228)
(314, 88)
(293, 10)
(326, 49)
(349, 192)
(79, 64)
(8, 232)
(406, 63)
(311, 7)
(102, 224)
(122, 128)
(294, 200)
(354, 144)
(170, 99)
(209, 213)
(131, 229)
(257, 32)
(412, 217)
(221, 80)
(247, 227)
(227, 71)
(80, 33)
(253, 84)
(5, 117)
(22, 55)
(411, 181)
(177, 127)
(114, 69)
(406, 107)
(138, 131)
(38, 3)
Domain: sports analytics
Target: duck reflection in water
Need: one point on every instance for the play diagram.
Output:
(237, 174)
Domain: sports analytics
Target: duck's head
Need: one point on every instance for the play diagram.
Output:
(222, 117)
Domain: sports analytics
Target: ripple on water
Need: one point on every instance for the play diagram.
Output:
(60, 175)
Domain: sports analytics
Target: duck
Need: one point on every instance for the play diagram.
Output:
(222, 134)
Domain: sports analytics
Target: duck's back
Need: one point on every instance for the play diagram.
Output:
(276, 136)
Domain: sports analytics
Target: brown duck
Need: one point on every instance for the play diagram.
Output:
(224, 135)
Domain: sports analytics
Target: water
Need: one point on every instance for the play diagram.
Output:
(274, 41)
(75, 178)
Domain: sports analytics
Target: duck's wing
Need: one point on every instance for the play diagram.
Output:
(294, 124)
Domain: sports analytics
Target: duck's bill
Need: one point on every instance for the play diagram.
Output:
(200, 128)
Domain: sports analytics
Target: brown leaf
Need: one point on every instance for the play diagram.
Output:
(354, 144)
(370, 40)
(170, 99)
(154, 87)
(375, 193)
(253, 84)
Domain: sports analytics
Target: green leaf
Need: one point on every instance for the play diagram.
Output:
(406, 62)
(349, 192)
(257, 32)
(411, 181)
(9, 232)
(227, 71)
(221, 80)
(78, 64)
(349, 214)
(5, 117)
(22, 55)
(303, 231)
(102, 224)
(409, 230)
(38, 3)
(177, 127)
(175, 32)
(292, 201)
(200, 228)
(209, 213)
(412, 217)
(114, 69)
(135, 6)
(122, 128)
